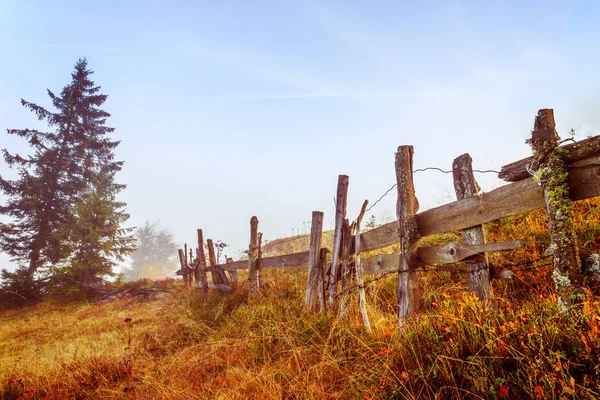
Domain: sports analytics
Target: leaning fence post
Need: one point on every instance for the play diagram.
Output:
(183, 267)
(406, 209)
(340, 214)
(253, 257)
(314, 283)
(362, 302)
(201, 264)
(465, 186)
(218, 276)
(551, 173)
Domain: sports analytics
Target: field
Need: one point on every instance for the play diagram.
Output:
(180, 346)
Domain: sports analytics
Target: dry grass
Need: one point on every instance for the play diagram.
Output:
(268, 347)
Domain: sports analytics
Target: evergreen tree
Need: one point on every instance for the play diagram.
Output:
(96, 236)
(57, 177)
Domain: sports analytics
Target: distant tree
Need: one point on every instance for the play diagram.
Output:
(371, 223)
(56, 179)
(155, 254)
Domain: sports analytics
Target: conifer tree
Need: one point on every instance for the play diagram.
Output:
(57, 177)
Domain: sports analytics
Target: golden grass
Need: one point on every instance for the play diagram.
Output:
(182, 346)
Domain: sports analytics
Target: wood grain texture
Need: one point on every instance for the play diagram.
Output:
(253, 257)
(201, 264)
(340, 214)
(465, 186)
(315, 275)
(406, 210)
(448, 253)
(583, 149)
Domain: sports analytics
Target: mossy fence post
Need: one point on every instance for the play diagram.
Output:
(465, 186)
(201, 264)
(406, 209)
(340, 214)
(314, 282)
(551, 173)
(253, 257)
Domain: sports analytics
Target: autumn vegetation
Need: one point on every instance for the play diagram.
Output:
(179, 345)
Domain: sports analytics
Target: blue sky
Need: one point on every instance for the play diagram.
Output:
(228, 109)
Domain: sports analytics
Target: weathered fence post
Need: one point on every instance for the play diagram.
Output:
(314, 284)
(346, 267)
(362, 302)
(340, 214)
(259, 270)
(465, 186)
(253, 257)
(183, 267)
(185, 253)
(218, 275)
(552, 175)
(406, 209)
(201, 264)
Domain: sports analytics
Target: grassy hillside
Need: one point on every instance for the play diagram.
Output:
(182, 346)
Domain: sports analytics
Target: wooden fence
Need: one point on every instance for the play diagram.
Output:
(535, 182)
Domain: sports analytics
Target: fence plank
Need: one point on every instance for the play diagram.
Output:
(512, 199)
(340, 214)
(465, 186)
(314, 281)
(253, 257)
(551, 175)
(201, 264)
(581, 150)
(406, 209)
(449, 253)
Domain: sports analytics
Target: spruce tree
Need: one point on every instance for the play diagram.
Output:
(57, 176)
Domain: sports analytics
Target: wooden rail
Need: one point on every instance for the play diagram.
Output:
(512, 199)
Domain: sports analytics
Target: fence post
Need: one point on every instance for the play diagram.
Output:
(314, 284)
(465, 186)
(253, 257)
(340, 214)
(362, 302)
(551, 173)
(346, 267)
(259, 271)
(201, 264)
(183, 267)
(406, 209)
(185, 253)
(218, 276)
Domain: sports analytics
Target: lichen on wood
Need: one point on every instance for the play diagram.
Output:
(551, 173)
